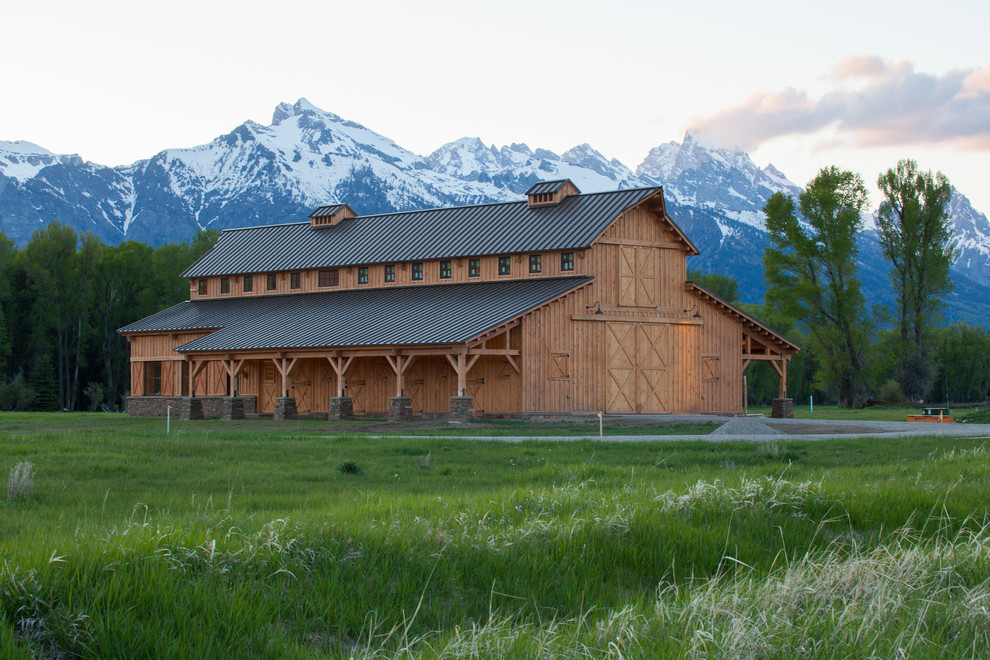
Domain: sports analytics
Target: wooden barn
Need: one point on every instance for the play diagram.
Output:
(564, 303)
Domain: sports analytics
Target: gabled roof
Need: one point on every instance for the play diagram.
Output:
(323, 211)
(781, 343)
(464, 231)
(396, 316)
(548, 187)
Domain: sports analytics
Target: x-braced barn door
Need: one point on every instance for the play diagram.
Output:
(636, 368)
(637, 276)
(302, 385)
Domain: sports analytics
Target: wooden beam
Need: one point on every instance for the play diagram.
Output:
(494, 351)
(513, 363)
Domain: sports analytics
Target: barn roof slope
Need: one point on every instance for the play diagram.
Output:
(447, 233)
(395, 316)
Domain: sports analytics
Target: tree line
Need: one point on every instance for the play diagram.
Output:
(62, 299)
(814, 296)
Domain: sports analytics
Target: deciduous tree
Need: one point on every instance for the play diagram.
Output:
(915, 234)
(810, 269)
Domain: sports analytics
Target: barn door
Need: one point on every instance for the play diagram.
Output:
(506, 391)
(636, 368)
(653, 356)
(269, 388)
(302, 385)
(413, 382)
(620, 367)
(637, 276)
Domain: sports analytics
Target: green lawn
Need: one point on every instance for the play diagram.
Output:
(254, 539)
(873, 413)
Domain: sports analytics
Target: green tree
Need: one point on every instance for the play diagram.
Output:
(121, 294)
(810, 271)
(914, 227)
(722, 286)
(964, 364)
(8, 255)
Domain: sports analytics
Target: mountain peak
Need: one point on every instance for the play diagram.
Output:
(24, 148)
(284, 111)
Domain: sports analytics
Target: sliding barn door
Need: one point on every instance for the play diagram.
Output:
(637, 367)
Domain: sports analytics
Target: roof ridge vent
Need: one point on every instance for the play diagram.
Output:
(550, 193)
(330, 216)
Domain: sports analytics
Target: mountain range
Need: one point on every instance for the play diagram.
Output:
(307, 157)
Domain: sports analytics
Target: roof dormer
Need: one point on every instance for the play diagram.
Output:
(329, 216)
(550, 193)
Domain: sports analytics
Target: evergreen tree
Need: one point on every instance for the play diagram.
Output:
(43, 383)
(811, 276)
(914, 227)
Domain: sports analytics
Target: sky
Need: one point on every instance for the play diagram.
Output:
(802, 85)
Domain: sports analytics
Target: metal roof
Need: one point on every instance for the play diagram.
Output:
(783, 343)
(544, 187)
(324, 211)
(465, 231)
(413, 315)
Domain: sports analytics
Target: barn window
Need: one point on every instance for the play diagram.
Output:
(566, 261)
(559, 366)
(417, 270)
(444, 270)
(293, 280)
(248, 284)
(329, 277)
(505, 265)
(152, 378)
(474, 267)
(389, 272)
(270, 281)
(362, 275)
(269, 374)
(709, 369)
(536, 263)
(224, 285)
(202, 288)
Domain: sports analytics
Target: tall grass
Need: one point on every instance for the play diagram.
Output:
(215, 544)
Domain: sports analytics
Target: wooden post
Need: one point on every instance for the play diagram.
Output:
(462, 365)
(340, 366)
(285, 366)
(783, 378)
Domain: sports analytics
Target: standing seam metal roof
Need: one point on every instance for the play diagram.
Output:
(466, 231)
(414, 315)
(547, 187)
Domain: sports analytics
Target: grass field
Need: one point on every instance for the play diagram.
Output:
(873, 413)
(261, 540)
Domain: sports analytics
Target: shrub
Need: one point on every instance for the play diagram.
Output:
(15, 394)
(891, 392)
(350, 467)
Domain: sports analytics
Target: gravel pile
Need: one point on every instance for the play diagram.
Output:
(745, 426)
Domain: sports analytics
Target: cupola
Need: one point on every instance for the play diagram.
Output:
(329, 216)
(550, 193)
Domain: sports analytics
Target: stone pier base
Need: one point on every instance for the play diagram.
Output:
(461, 408)
(237, 407)
(191, 408)
(341, 409)
(285, 408)
(400, 409)
(783, 409)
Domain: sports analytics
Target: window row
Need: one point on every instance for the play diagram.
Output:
(331, 277)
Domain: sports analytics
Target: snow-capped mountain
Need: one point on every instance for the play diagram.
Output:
(307, 157)
(513, 169)
(22, 160)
